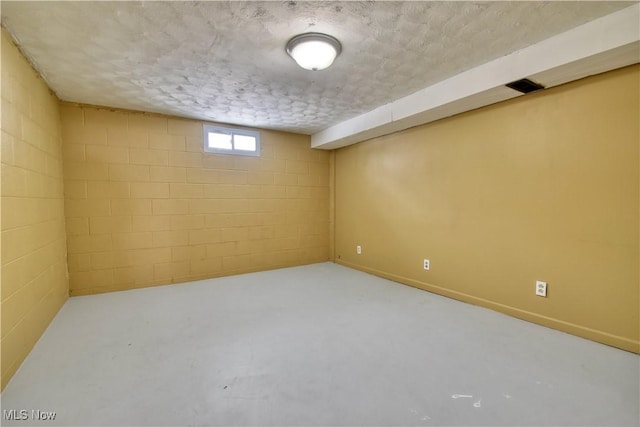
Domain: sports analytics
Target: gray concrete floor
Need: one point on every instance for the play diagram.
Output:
(313, 345)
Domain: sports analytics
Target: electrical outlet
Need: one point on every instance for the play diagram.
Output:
(359, 249)
(541, 288)
(426, 265)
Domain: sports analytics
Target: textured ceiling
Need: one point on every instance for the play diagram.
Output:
(225, 61)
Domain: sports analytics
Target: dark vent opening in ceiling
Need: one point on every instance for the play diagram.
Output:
(525, 86)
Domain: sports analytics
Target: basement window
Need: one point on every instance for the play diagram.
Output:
(223, 140)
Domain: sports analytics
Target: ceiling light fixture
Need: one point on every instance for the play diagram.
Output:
(314, 51)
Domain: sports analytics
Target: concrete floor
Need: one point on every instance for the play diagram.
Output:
(313, 345)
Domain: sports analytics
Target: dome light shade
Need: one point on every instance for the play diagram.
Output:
(314, 51)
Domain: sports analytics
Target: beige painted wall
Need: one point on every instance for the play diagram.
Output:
(146, 206)
(544, 187)
(34, 272)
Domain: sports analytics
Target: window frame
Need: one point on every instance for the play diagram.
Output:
(230, 131)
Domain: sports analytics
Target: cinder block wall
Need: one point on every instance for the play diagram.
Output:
(145, 205)
(33, 249)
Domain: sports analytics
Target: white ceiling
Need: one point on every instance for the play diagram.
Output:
(225, 61)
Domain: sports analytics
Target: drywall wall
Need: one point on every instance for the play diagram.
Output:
(34, 271)
(544, 187)
(146, 206)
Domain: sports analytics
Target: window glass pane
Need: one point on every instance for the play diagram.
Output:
(244, 142)
(226, 140)
(220, 141)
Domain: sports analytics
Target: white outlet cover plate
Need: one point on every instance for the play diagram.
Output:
(426, 264)
(541, 288)
(358, 250)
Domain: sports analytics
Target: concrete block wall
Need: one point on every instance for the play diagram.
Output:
(33, 247)
(145, 205)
